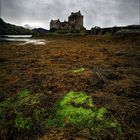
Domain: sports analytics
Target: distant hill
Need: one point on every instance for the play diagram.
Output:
(9, 29)
(130, 29)
(133, 27)
(40, 31)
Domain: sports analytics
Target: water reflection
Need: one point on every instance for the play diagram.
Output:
(23, 39)
(34, 41)
(17, 36)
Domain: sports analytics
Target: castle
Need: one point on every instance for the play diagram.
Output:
(75, 21)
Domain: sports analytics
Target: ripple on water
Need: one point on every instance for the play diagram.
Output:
(24, 41)
(34, 42)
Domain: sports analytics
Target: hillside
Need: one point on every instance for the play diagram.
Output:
(40, 31)
(6, 28)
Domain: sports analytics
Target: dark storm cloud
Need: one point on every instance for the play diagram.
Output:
(96, 12)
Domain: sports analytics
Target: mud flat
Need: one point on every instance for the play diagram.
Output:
(33, 78)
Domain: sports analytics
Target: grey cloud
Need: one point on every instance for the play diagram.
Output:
(96, 12)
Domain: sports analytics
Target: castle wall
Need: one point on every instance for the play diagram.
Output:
(64, 25)
(75, 21)
(55, 24)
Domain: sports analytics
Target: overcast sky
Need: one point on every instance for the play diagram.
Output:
(103, 13)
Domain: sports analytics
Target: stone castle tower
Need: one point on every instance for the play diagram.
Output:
(75, 21)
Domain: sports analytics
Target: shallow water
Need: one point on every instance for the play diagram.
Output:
(34, 41)
(17, 36)
(23, 39)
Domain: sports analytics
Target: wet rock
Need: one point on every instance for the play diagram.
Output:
(50, 92)
(22, 53)
(2, 60)
(96, 79)
(114, 76)
(120, 53)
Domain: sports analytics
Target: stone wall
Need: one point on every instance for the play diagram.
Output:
(75, 21)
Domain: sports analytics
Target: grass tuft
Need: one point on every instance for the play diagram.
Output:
(24, 93)
(80, 70)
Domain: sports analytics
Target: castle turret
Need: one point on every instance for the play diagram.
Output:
(76, 20)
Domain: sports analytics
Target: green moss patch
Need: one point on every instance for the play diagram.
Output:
(22, 112)
(80, 70)
(24, 93)
(25, 112)
(77, 108)
(21, 122)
